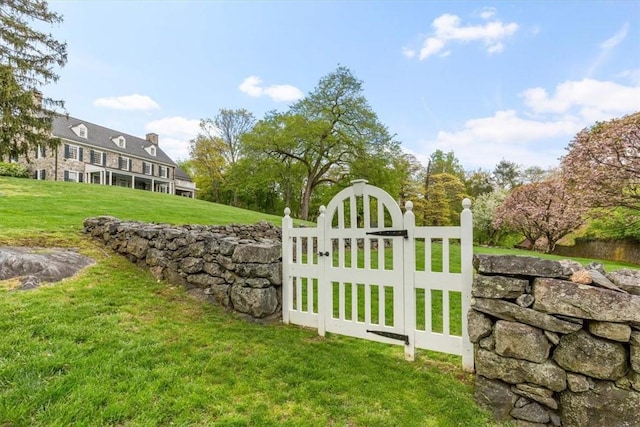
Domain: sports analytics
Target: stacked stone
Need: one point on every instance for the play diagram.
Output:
(237, 266)
(556, 344)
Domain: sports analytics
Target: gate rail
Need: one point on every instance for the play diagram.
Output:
(305, 261)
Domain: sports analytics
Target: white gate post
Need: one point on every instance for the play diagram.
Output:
(324, 263)
(409, 224)
(466, 261)
(287, 224)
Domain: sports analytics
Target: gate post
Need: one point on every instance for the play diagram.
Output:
(323, 285)
(409, 249)
(466, 261)
(287, 224)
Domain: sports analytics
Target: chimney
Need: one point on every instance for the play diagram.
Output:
(152, 138)
(37, 98)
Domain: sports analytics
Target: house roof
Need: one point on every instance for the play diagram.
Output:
(101, 138)
(182, 175)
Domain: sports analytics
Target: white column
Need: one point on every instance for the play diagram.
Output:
(324, 263)
(409, 256)
(466, 264)
(287, 224)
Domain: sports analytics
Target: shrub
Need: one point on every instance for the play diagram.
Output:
(13, 169)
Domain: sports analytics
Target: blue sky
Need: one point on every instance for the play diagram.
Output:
(510, 80)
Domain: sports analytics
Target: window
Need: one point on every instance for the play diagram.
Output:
(13, 158)
(40, 174)
(151, 150)
(124, 163)
(80, 130)
(162, 188)
(98, 158)
(162, 172)
(146, 168)
(41, 151)
(72, 152)
(120, 141)
(73, 176)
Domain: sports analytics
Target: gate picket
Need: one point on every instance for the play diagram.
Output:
(345, 275)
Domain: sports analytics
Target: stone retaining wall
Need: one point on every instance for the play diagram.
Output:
(237, 266)
(614, 250)
(556, 343)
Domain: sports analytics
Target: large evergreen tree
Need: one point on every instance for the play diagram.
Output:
(28, 58)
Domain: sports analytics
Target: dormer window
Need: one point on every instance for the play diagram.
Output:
(80, 130)
(120, 141)
(151, 150)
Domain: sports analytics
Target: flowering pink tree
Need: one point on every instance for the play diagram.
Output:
(603, 163)
(545, 209)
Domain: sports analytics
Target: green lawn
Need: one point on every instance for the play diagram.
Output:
(112, 346)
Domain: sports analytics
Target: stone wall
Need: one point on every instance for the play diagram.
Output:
(613, 250)
(556, 343)
(237, 266)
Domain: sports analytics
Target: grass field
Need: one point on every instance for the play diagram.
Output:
(113, 346)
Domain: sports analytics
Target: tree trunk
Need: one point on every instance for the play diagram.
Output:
(306, 200)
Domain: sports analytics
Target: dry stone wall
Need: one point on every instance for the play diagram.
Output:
(556, 344)
(236, 266)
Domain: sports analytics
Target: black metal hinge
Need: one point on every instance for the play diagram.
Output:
(391, 335)
(392, 233)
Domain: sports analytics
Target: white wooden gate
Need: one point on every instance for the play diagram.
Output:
(366, 271)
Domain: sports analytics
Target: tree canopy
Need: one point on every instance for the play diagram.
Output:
(325, 134)
(28, 58)
(603, 163)
(546, 209)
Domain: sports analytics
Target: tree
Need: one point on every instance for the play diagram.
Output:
(441, 162)
(443, 203)
(506, 175)
(323, 133)
(223, 134)
(478, 182)
(484, 208)
(209, 166)
(27, 60)
(603, 163)
(546, 209)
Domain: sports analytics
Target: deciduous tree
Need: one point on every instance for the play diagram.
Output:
(484, 208)
(323, 133)
(28, 58)
(603, 163)
(542, 209)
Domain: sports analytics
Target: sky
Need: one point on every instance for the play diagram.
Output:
(512, 80)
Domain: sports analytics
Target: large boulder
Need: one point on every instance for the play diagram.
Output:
(258, 302)
(584, 301)
(515, 371)
(521, 341)
(508, 311)
(596, 357)
(604, 405)
(495, 396)
(513, 265)
(498, 287)
(626, 279)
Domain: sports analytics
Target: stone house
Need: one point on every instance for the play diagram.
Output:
(93, 154)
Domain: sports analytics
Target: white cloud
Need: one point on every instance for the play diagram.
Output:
(606, 47)
(409, 53)
(632, 75)
(253, 87)
(538, 135)
(488, 12)
(616, 39)
(128, 102)
(593, 99)
(448, 28)
(175, 134)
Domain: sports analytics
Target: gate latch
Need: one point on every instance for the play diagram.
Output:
(391, 335)
(393, 233)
